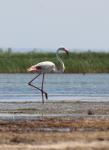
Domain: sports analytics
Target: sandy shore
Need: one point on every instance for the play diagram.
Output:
(35, 134)
(85, 127)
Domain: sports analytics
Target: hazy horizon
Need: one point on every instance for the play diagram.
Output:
(50, 49)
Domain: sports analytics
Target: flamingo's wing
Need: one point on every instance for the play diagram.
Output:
(46, 66)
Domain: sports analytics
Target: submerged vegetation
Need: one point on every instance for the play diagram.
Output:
(81, 62)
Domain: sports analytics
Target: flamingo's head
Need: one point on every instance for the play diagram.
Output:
(63, 49)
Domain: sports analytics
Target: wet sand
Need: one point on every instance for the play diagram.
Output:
(62, 107)
(84, 126)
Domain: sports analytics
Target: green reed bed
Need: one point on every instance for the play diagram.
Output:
(82, 62)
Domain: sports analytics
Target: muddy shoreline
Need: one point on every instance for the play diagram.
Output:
(63, 107)
(81, 125)
(34, 134)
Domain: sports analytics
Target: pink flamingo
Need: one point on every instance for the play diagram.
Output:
(46, 67)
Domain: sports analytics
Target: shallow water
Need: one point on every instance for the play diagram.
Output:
(19, 116)
(89, 87)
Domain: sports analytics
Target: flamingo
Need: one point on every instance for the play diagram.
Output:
(46, 67)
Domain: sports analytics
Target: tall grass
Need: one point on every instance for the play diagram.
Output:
(88, 62)
(83, 62)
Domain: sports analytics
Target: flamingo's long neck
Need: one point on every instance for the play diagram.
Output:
(61, 62)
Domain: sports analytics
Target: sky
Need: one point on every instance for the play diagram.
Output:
(74, 24)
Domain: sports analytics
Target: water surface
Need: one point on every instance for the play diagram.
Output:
(14, 87)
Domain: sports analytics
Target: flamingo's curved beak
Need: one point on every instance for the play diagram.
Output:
(67, 52)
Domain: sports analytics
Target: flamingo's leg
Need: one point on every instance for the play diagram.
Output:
(30, 83)
(42, 88)
(46, 95)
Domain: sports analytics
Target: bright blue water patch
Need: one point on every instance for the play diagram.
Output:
(14, 87)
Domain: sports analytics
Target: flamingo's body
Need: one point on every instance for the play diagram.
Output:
(46, 67)
(43, 67)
